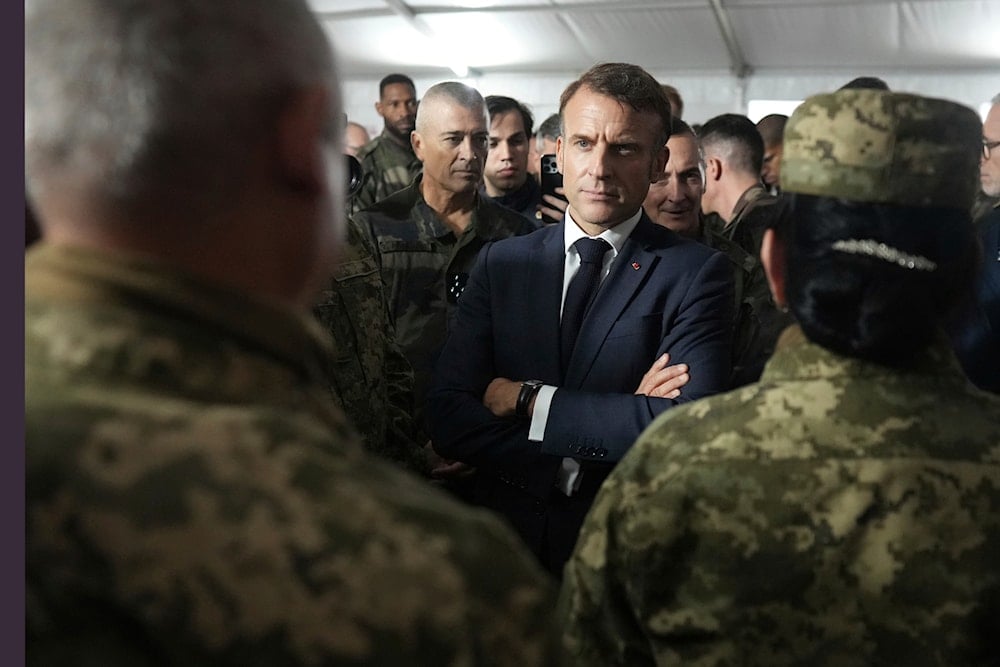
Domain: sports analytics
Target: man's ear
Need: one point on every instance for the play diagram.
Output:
(772, 257)
(559, 153)
(713, 168)
(304, 127)
(417, 143)
(378, 108)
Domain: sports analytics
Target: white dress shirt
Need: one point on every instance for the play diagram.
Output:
(569, 477)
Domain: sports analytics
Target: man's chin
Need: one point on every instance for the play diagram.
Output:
(990, 187)
(401, 135)
(509, 184)
(600, 215)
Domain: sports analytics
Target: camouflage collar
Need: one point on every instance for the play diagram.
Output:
(87, 275)
(390, 144)
(484, 223)
(746, 200)
(798, 358)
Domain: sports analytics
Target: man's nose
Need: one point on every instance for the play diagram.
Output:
(600, 162)
(502, 150)
(468, 149)
(673, 187)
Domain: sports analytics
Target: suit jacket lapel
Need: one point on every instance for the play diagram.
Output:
(628, 274)
(542, 301)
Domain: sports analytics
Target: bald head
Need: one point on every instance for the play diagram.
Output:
(448, 94)
(355, 136)
(451, 139)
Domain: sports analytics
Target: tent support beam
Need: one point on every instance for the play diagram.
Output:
(737, 62)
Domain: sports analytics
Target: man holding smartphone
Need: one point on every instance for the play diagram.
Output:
(505, 177)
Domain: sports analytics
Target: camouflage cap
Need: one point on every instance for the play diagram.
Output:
(883, 147)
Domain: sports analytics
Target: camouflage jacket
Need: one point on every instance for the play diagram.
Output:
(755, 211)
(836, 513)
(367, 373)
(758, 322)
(425, 267)
(388, 168)
(194, 498)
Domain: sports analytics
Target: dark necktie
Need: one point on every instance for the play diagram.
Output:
(582, 289)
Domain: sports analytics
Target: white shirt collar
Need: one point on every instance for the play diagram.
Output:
(616, 235)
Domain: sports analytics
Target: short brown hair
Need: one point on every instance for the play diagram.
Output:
(629, 84)
(675, 99)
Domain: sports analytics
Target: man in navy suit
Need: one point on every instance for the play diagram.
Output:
(558, 357)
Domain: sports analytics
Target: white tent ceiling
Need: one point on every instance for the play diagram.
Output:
(719, 53)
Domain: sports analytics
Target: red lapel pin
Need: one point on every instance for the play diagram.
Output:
(635, 265)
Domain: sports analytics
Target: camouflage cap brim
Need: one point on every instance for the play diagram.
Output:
(883, 147)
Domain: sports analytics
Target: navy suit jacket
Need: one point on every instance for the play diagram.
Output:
(662, 294)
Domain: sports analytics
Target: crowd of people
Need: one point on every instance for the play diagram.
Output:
(727, 395)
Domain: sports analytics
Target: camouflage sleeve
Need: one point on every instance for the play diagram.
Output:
(599, 627)
(361, 224)
(758, 325)
(403, 434)
(369, 377)
(368, 193)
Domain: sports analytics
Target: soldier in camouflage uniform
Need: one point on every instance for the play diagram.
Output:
(388, 160)
(675, 202)
(368, 375)
(738, 210)
(427, 237)
(845, 510)
(193, 497)
(736, 203)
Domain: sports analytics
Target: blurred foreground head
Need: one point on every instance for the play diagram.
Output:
(879, 248)
(154, 127)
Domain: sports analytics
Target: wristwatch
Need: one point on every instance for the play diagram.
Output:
(528, 390)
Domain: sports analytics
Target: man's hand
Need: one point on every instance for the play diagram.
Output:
(554, 207)
(501, 397)
(664, 381)
(442, 468)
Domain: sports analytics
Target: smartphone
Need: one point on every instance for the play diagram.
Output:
(551, 179)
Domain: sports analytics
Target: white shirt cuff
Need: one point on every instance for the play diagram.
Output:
(540, 413)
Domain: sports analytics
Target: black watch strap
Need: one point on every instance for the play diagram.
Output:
(528, 390)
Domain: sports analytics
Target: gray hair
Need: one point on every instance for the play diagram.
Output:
(459, 93)
(149, 101)
(549, 129)
(996, 99)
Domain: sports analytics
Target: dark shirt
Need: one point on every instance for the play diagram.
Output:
(524, 200)
(976, 335)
